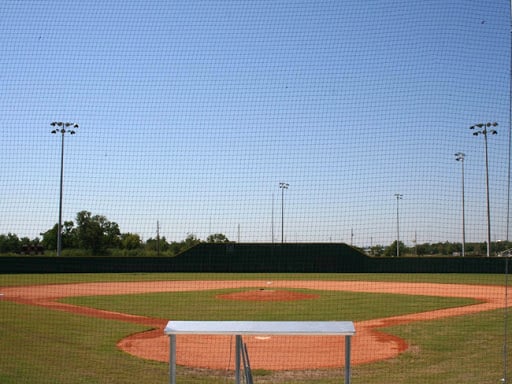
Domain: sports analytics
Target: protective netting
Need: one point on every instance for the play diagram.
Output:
(192, 113)
(256, 121)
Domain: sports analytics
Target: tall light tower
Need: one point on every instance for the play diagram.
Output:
(398, 198)
(283, 186)
(484, 129)
(62, 128)
(272, 218)
(459, 156)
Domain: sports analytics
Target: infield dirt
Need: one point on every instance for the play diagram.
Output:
(295, 352)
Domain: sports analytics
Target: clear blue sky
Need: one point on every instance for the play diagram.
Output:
(192, 112)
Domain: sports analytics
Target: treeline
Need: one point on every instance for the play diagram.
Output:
(95, 235)
(441, 249)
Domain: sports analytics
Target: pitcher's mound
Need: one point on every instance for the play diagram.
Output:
(267, 295)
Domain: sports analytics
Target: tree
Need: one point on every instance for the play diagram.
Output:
(157, 244)
(96, 233)
(130, 241)
(191, 240)
(111, 232)
(217, 238)
(424, 249)
(49, 240)
(9, 243)
(377, 250)
(390, 251)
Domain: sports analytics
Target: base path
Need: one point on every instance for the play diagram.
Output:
(293, 353)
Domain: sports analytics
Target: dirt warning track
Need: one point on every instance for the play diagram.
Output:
(295, 352)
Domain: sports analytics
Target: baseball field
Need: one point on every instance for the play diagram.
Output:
(108, 328)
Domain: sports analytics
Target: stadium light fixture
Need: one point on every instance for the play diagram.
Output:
(484, 129)
(398, 198)
(62, 128)
(459, 156)
(282, 186)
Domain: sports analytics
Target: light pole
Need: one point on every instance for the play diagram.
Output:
(62, 128)
(283, 186)
(272, 218)
(398, 198)
(484, 129)
(459, 156)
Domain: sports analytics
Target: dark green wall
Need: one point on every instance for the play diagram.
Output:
(234, 257)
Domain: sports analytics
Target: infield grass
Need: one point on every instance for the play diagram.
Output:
(39, 345)
(329, 305)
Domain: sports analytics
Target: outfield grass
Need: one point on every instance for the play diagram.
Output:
(467, 349)
(62, 278)
(40, 345)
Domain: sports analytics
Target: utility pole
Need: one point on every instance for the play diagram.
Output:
(459, 156)
(283, 186)
(398, 198)
(157, 238)
(272, 218)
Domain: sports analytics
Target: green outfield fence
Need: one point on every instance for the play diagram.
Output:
(293, 258)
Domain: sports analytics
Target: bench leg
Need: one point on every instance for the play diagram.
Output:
(238, 353)
(172, 359)
(347, 359)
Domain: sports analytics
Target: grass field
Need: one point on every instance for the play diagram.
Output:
(330, 305)
(39, 345)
